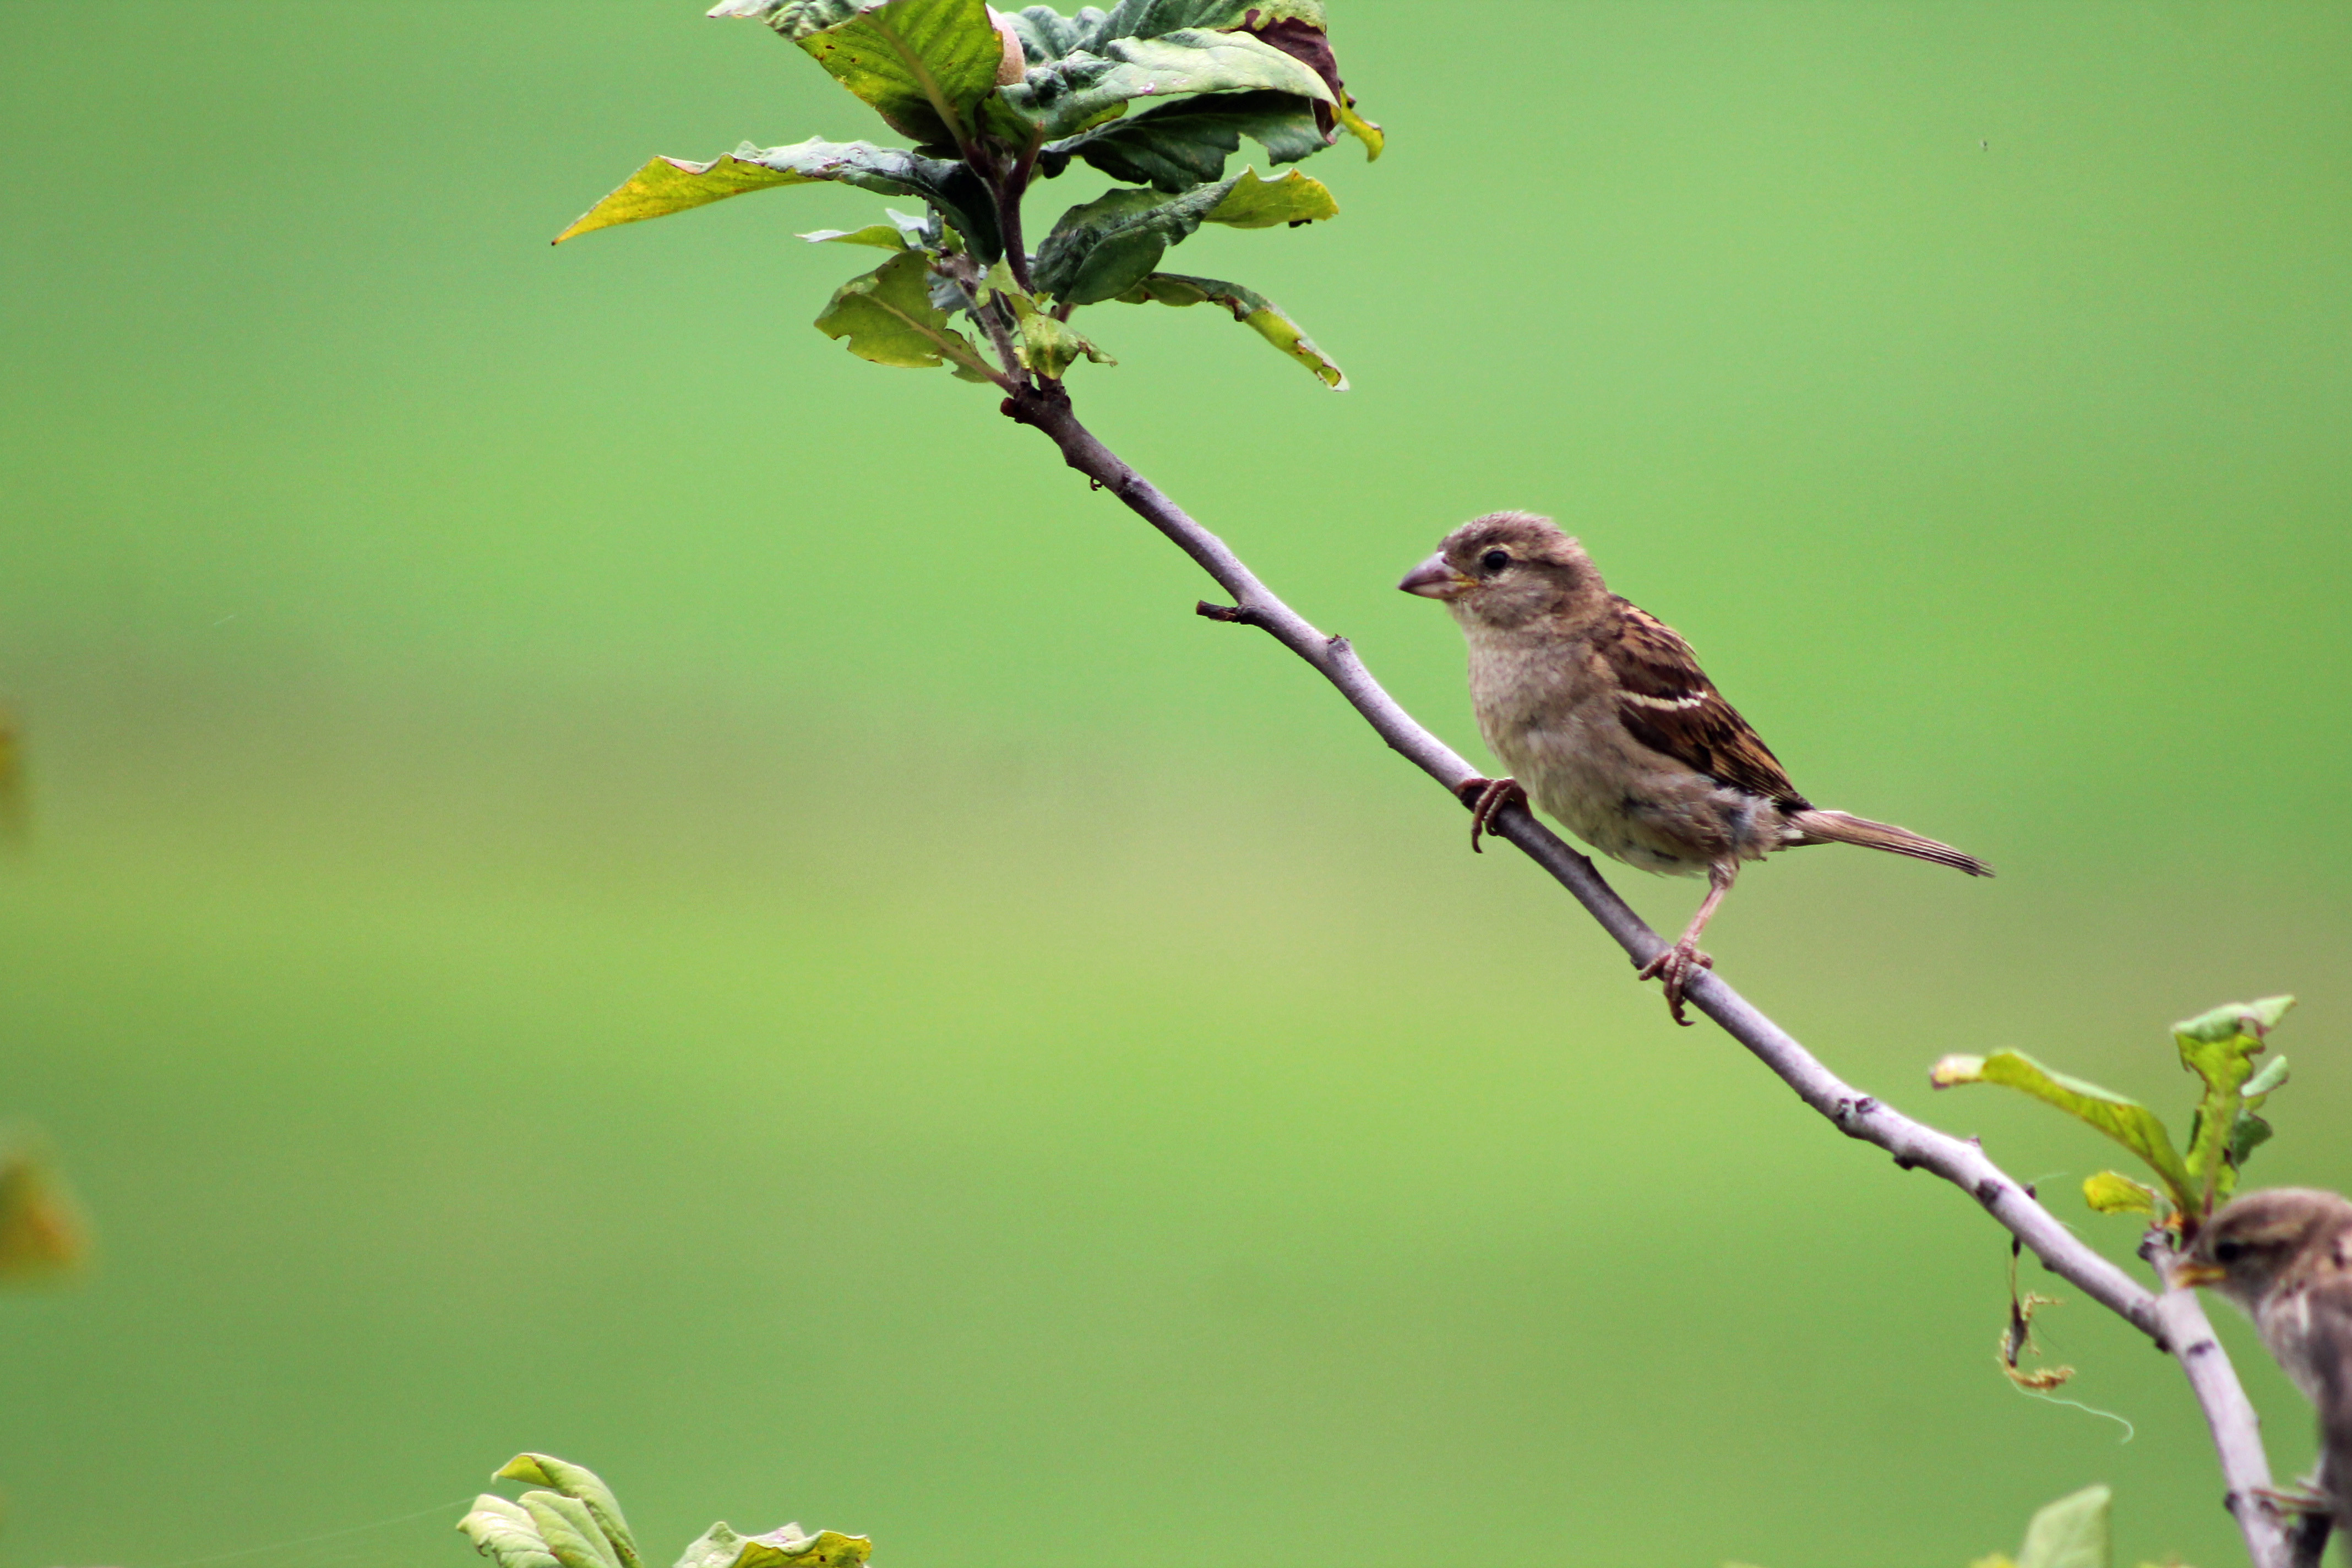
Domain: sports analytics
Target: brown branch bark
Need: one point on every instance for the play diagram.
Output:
(2175, 1319)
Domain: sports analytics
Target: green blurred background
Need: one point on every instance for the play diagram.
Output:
(606, 878)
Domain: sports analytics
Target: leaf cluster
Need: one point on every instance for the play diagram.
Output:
(570, 1520)
(2224, 1130)
(1158, 94)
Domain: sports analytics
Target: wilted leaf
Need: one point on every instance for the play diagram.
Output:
(785, 1548)
(2071, 1532)
(887, 316)
(1104, 247)
(1175, 146)
(581, 1482)
(1311, 45)
(2111, 1192)
(1252, 309)
(41, 1230)
(669, 185)
(923, 65)
(1062, 96)
(503, 1532)
(2126, 1121)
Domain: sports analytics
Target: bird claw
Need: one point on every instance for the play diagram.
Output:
(1674, 966)
(2300, 1498)
(1485, 798)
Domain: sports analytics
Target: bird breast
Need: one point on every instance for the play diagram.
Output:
(1548, 709)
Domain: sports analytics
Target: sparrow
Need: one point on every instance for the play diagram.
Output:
(2283, 1257)
(1608, 723)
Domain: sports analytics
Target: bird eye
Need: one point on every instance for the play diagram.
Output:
(1494, 561)
(2229, 1251)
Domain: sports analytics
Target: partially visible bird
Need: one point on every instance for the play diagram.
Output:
(2284, 1256)
(1607, 723)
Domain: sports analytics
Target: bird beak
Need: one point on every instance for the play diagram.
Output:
(1433, 579)
(2193, 1274)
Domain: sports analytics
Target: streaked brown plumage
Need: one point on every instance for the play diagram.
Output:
(2284, 1257)
(1608, 723)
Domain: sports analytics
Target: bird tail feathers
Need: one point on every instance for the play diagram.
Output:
(1839, 827)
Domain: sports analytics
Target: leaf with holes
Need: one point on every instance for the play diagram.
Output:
(1103, 248)
(1253, 310)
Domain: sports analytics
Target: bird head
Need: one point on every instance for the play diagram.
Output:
(2252, 1242)
(1508, 568)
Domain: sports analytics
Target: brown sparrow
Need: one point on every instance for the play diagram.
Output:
(1607, 723)
(2284, 1257)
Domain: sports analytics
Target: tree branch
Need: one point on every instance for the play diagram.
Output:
(2175, 1321)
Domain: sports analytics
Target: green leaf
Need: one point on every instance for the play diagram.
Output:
(787, 1547)
(1063, 97)
(2111, 1192)
(923, 65)
(1250, 308)
(667, 186)
(887, 316)
(2220, 1047)
(2251, 1134)
(581, 1482)
(1050, 347)
(2126, 1121)
(2264, 1082)
(881, 236)
(1252, 203)
(570, 1530)
(2227, 1022)
(1103, 248)
(2071, 1532)
(1175, 146)
(503, 1532)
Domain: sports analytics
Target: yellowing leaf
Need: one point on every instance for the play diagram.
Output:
(1254, 310)
(2126, 1121)
(2111, 1192)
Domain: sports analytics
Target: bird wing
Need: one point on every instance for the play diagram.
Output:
(1666, 702)
(2330, 1347)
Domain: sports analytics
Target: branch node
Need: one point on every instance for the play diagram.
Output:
(1905, 1162)
(1220, 612)
(1338, 647)
(1989, 1192)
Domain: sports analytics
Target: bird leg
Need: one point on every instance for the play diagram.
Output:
(1486, 797)
(1676, 962)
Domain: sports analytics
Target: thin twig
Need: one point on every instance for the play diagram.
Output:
(2175, 1319)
